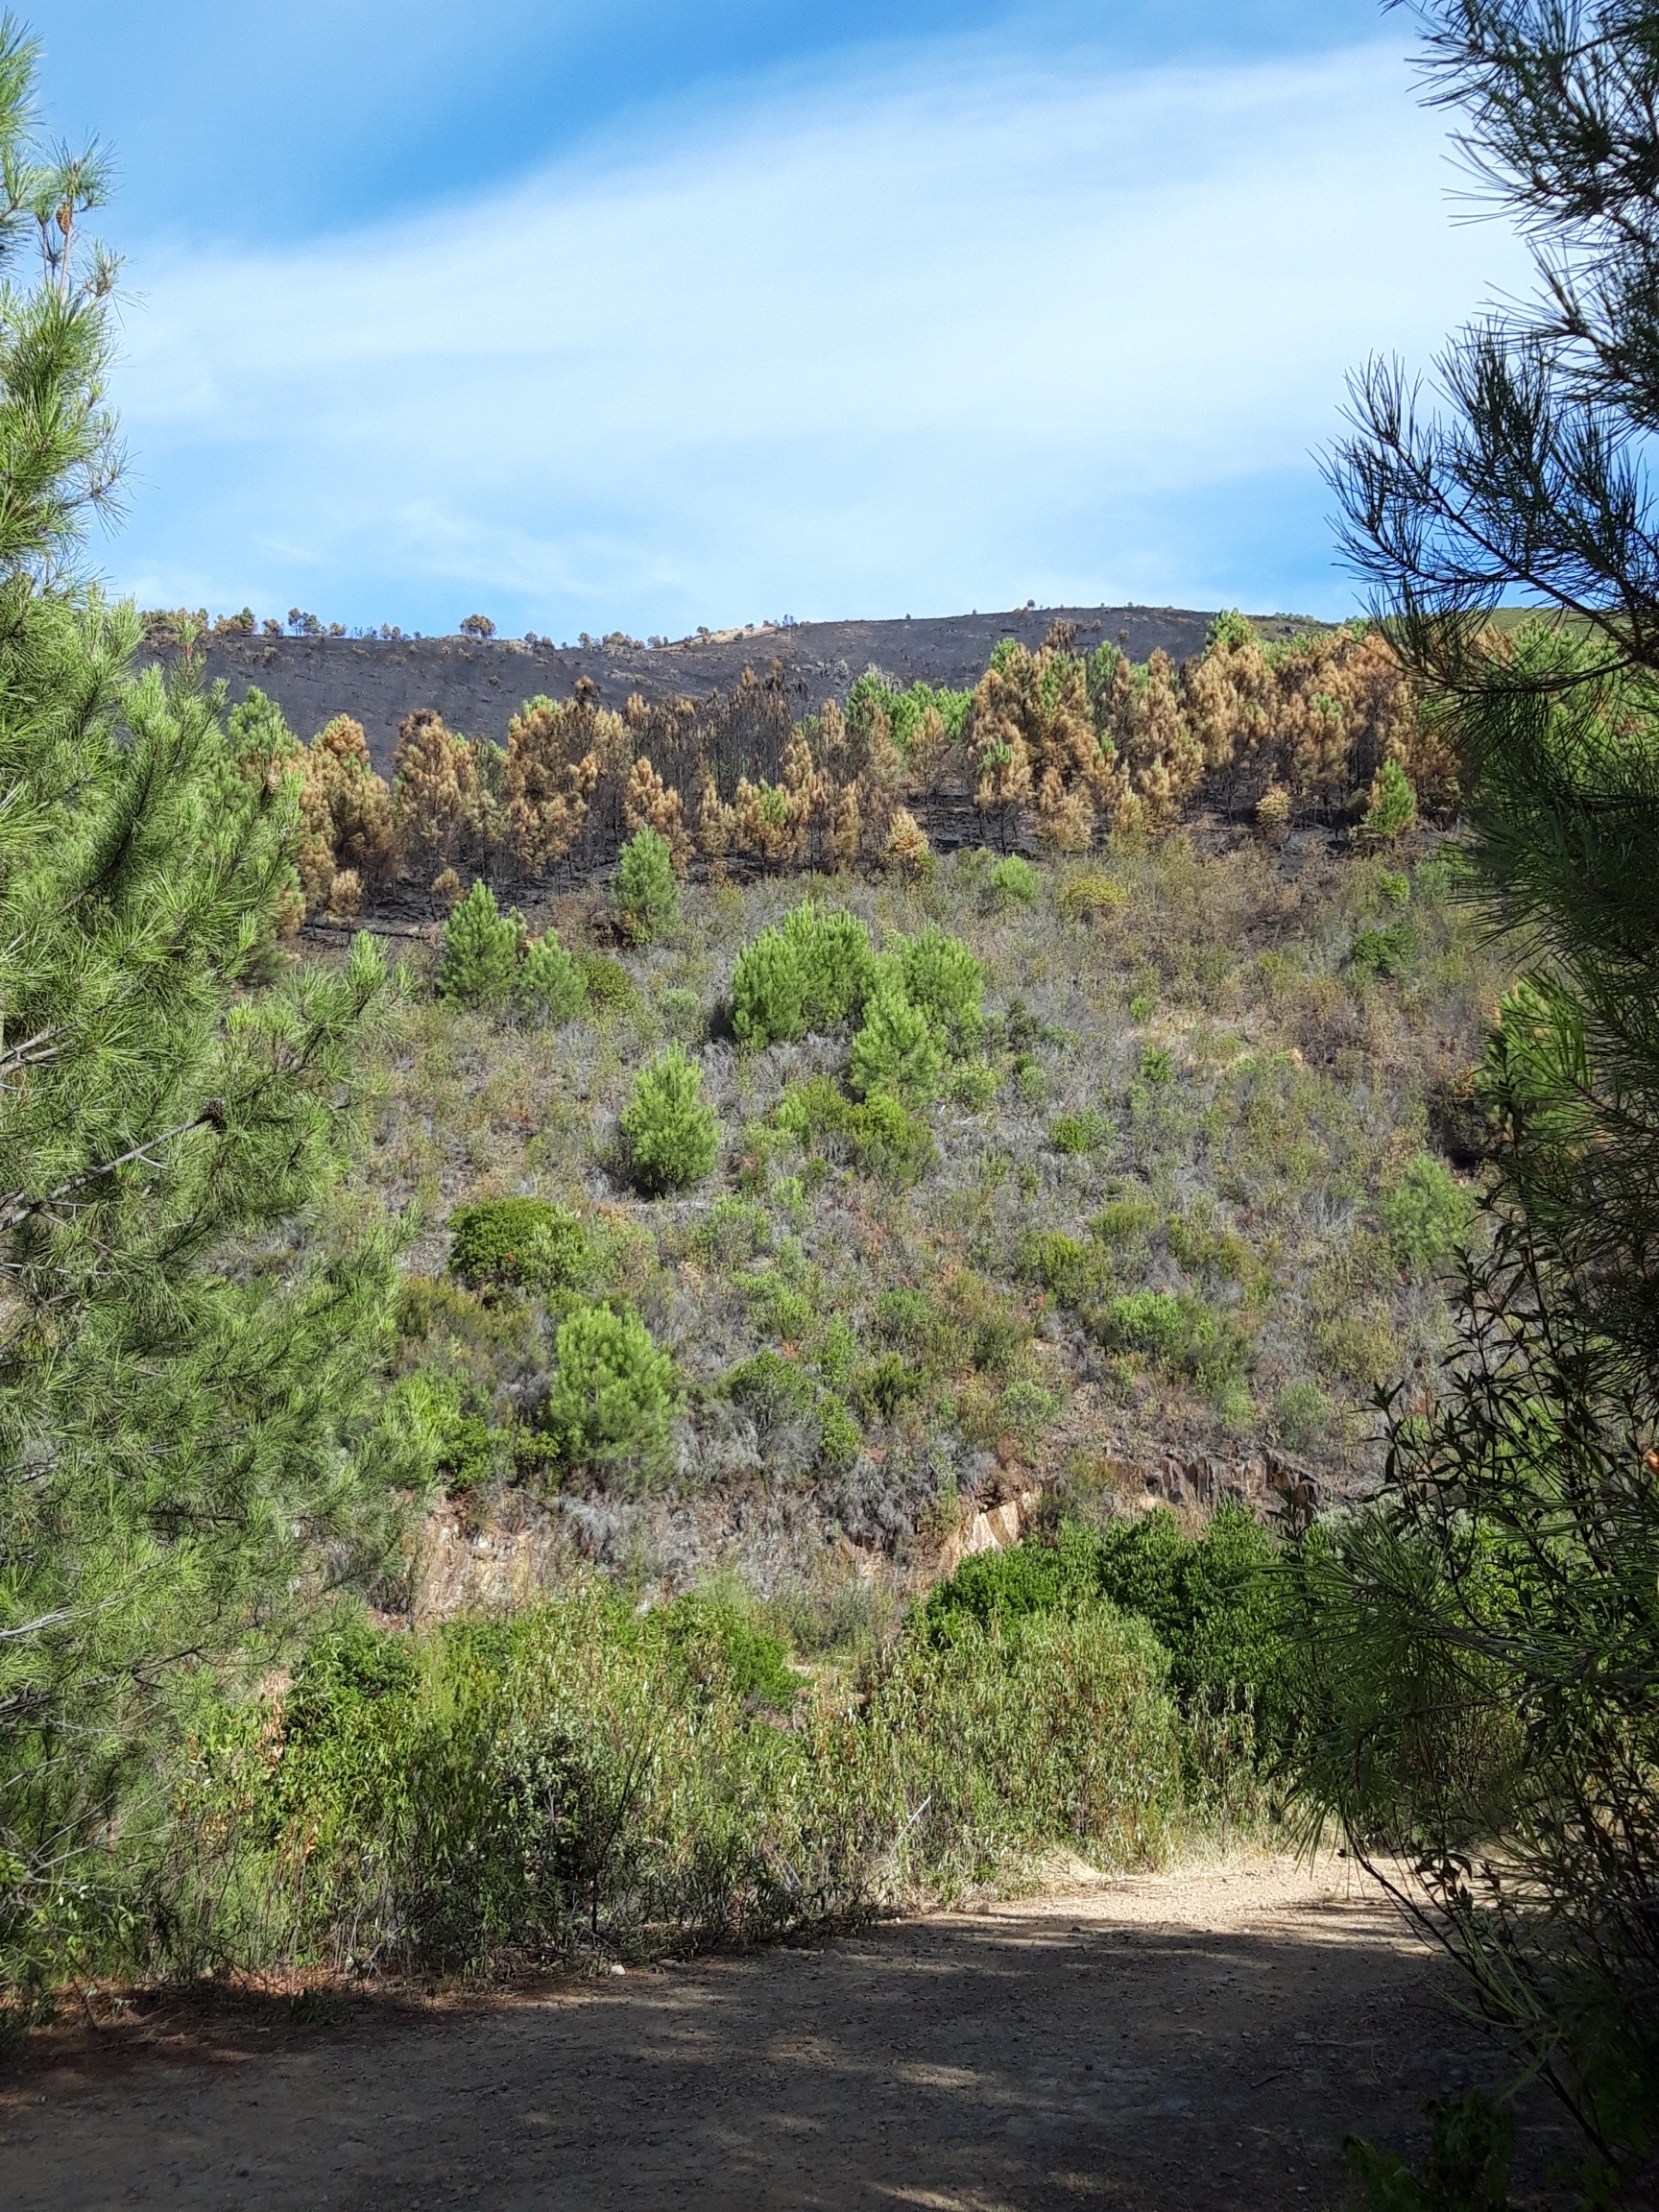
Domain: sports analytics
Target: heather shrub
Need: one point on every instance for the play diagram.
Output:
(647, 894)
(1090, 895)
(1427, 1214)
(878, 1135)
(772, 1391)
(519, 1244)
(670, 1134)
(809, 971)
(551, 987)
(681, 1013)
(607, 986)
(612, 1398)
(1013, 883)
(479, 963)
(1388, 952)
(1304, 1414)
(972, 1086)
(898, 1050)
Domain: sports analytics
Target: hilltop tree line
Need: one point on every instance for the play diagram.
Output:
(1056, 748)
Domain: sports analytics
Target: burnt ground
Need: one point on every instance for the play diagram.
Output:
(1175, 2043)
(477, 687)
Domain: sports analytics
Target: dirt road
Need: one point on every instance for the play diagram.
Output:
(1180, 2042)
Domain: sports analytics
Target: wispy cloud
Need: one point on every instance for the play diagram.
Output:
(978, 333)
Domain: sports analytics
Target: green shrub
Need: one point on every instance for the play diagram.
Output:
(1180, 1332)
(611, 1399)
(478, 967)
(1076, 1276)
(1386, 952)
(898, 1050)
(607, 986)
(972, 1086)
(721, 1648)
(809, 971)
(1395, 888)
(1126, 1220)
(840, 1437)
(551, 986)
(884, 1385)
(772, 1391)
(1157, 1066)
(1090, 895)
(1304, 1414)
(681, 1013)
(734, 1230)
(1427, 1214)
(647, 892)
(1143, 1006)
(878, 1136)
(670, 1135)
(1030, 1080)
(519, 1244)
(1013, 883)
(1470, 2142)
(1029, 1409)
(943, 979)
(1075, 1133)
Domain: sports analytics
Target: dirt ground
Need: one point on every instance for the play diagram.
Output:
(1198, 2039)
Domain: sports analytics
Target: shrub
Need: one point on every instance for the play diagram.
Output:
(1076, 1276)
(1386, 952)
(809, 971)
(898, 1050)
(1391, 803)
(1157, 1066)
(886, 1384)
(551, 987)
(1028, 1409)
(1090, 895)
(681, 1013)
(479, 964)
(772, 1391)
(647, 892)
(943, 979)
(1075, 1133)
(839, 1435)
(1427, 1214)
(720, 1647)
(1304, 1414)
(973, 1086)
(670, 1135)
(878, 1136)
(519, 1244)
(610, 988)
(612, 1394)
(1013, 883)
(1182, 1332)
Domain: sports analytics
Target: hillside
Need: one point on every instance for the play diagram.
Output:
(476, 687)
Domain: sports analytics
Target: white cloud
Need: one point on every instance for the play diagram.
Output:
(883, 346)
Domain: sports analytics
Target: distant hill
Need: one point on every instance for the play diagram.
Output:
(477, 687)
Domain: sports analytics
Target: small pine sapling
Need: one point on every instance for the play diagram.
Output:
(647, 892)
(670, 1135)
(480, 966)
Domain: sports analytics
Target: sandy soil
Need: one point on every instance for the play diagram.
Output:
(1198, 2039)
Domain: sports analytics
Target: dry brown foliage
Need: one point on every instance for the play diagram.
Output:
(555, 751)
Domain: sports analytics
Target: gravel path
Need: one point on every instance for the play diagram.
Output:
(1202, 2038)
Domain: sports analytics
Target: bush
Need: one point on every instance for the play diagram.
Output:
(612, 1394)
(1182, 1332)
(519, 1244)
(1075, 1133)
(840, 1437)
(670, 1137)
(721, 1648)
(1427, 1214)
(898, 1050)
(879, 1136)
(647, 892)
(1386, 952)
(551, 987)
(772, 1391)
(609, 987)
(941, 977)
(681, 1013)
(810, 972)
(1304, 1416)
(1090, 895)
(1013, 883)
(479, 964)
(973, 1086)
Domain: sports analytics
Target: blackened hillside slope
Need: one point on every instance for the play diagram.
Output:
(477, 687)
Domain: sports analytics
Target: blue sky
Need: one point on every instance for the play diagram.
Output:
(647, 315)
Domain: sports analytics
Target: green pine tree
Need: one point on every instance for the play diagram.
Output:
(480, 966)
(185, 1372)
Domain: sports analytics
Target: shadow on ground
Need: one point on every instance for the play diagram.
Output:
(1186, 2042)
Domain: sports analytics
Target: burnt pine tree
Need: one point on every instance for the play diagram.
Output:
(186, 1426)
(1481, 1645)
